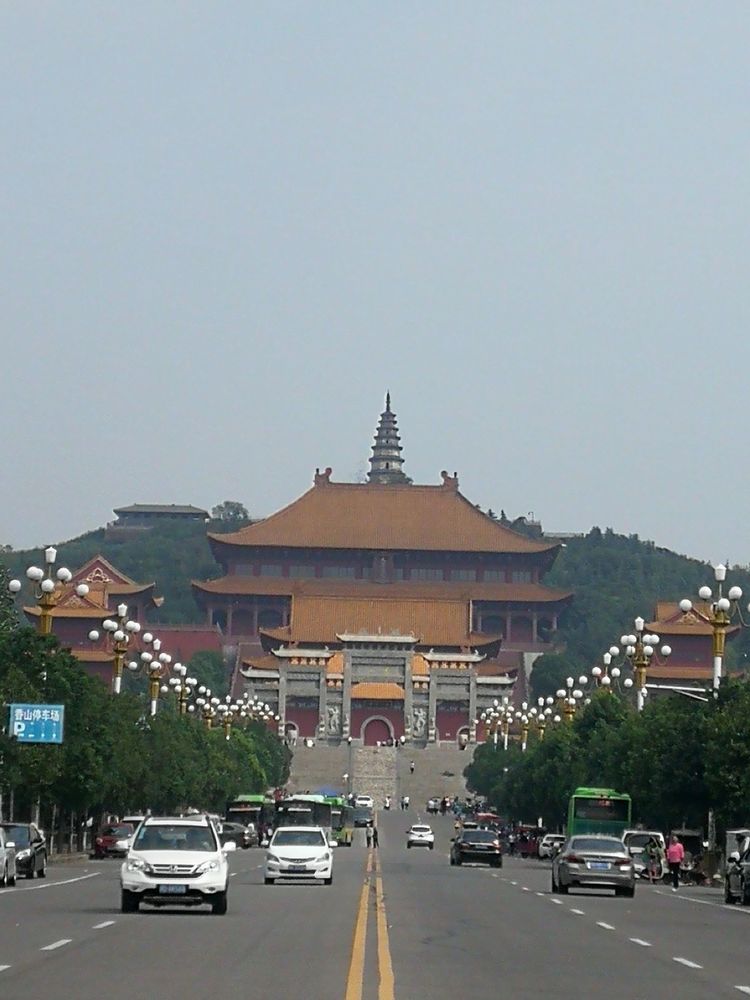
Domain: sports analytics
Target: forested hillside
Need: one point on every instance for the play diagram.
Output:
(614, 577)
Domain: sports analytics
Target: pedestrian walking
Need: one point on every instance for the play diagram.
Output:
(374, 836)
(412, 766)
(653, 858)
(368, 836)
(675, 857)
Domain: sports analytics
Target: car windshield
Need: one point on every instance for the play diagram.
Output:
(117, 831)
(597, 844)
(420, 829)
(639, 839)
(480, 836)
(298, 838)
(177, 837)
(18, 835)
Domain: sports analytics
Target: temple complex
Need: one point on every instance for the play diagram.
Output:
(382, 610)
(690, 634)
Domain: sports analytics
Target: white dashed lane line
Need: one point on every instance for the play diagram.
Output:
(539, 893)
(607, 927)
(557, 902)
(641, 942)
(49, 885)
(742, 989)
(581, 913)
(104, 923)
(687, 962)
(56, 944)
(4, 967)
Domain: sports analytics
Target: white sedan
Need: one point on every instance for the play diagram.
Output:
(299, 852)
(420, 835)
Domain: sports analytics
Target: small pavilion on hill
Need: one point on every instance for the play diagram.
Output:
(690, 634)
(382, 610)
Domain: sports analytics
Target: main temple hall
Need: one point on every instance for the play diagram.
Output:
(382, 610)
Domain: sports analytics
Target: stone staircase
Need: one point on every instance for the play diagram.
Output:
(319, 766)
(438, 771)
(374, 772)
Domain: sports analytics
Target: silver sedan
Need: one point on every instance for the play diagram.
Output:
(594, 862)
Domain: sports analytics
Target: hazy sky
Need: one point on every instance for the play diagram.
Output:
(228, 228)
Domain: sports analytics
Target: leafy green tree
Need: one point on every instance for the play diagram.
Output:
(549, 673)
(209, 668)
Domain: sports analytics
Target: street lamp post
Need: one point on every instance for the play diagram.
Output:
(47, 587)
(156, 664)
(183, 687)
(571, 695)
(723, 609)
(119, 631)
(608, 676)
(640, 648)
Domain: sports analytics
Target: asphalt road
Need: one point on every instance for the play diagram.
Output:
(395, 925)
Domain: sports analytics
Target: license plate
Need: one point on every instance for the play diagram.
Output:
(599, 866)
(172, 890)
(297, 868)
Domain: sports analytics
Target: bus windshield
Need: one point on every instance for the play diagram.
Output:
(598, 810)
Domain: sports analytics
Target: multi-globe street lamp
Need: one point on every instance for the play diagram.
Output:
(47, 586)
(723, 609)
(156, 664)
(571, 696)
(182, 686)
(640, 650)
(608, 676)
(118, 631)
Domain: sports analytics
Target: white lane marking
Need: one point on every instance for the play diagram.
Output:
(51, 885)
(514, 883)
(4, 967)
(557, 902)
(641, 942)
(703, 902)
(56, 944)
(526, 888)
(742, 989)
(540, 894)
(104, 923)
(607, 927)
(232, 874)
(581, 913)
(687, 962)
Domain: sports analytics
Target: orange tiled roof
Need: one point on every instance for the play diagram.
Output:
(322, 619)
(524, 593)
(373, 690)
(379, 517)
(678, 671)
(670, 620)
(93, 655)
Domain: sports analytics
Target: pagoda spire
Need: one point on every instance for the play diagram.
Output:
(386, 461)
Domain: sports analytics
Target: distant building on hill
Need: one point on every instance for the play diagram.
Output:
(142, 516)
(383, 610)
(690, 635)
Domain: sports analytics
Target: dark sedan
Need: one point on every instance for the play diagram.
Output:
(243, 836)
(477, 845)
(31, 849)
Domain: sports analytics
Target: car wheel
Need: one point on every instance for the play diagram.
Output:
(42, 873)
(562, 889)
(11, 880)
(129, 902)
(30, 872)
(268, 881)
(432, 847)
(219, 903)
(453, 861)
(458, 861)
(728, 897)
(329, 880)
(409, 846)
(745, 896)
(624, 891)
(554, 884)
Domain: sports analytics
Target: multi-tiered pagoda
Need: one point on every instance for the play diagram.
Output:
(381, 610)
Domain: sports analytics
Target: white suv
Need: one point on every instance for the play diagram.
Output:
(176, 861)
(420, 835)
(299, 852)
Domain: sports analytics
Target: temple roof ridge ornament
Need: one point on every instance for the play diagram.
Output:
(386, 462)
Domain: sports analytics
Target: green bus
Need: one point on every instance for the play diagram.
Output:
(256, 809)
(598, 810)
(342, 820)
(304, 810)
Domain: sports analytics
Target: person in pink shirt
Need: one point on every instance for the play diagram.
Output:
(675, 857)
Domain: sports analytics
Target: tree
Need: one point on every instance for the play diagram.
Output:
(549, 672)
(8, 612)
(230, 512)
(208, 668)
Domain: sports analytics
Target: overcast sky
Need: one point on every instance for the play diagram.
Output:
(228, 228)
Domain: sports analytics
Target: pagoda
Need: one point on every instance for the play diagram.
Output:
(382, 610)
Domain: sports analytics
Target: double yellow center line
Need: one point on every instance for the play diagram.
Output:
(371, 888)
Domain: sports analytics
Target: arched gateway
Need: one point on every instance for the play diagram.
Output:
(376, 730)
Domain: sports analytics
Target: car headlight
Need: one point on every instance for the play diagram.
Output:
(326, 856)
(273, 859)
(23, 854)
(207, 866)
(137, 865)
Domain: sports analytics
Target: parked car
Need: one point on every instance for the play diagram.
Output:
(477, 845)
(299, 852)
(550, 844)
(362, 816)
(420, 835)
(7, 859)
(637, 842)
(243, 836)
(176, 861)
(594, 862)
(31, 848)
(113, 840)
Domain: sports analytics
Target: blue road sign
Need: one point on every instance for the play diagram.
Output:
(37, 723)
